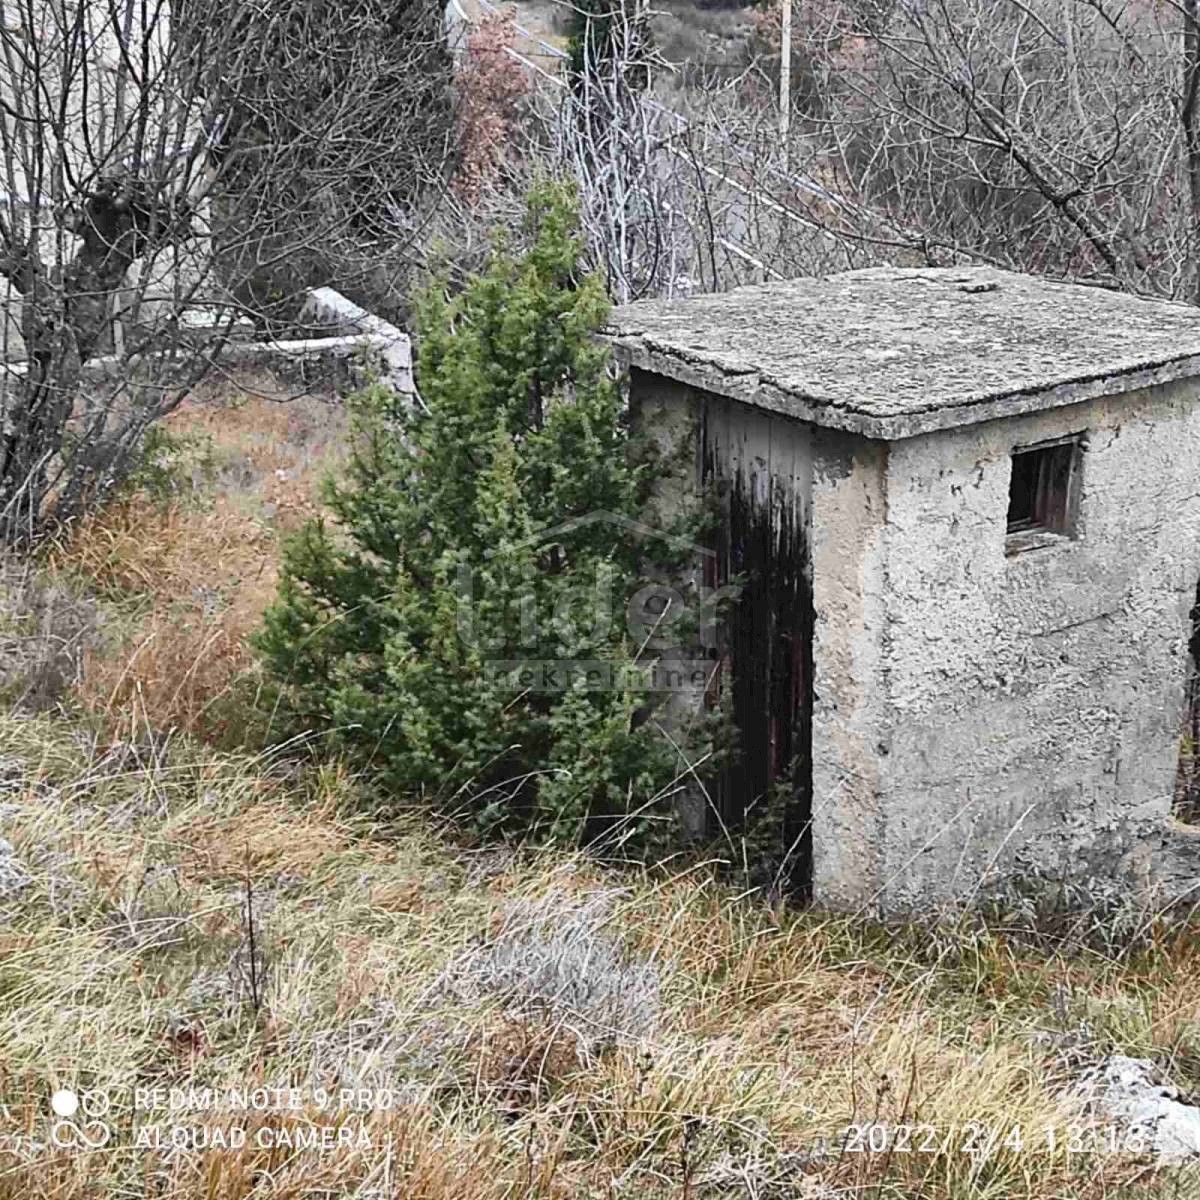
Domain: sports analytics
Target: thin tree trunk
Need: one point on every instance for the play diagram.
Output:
(1191, 131)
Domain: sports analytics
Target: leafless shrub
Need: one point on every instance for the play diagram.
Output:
(1055, 139)
(491, 86)
(1050, 138)
(681, 174)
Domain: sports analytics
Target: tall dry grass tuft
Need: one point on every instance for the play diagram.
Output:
(193, 584)
(46, 629)
(188, 563)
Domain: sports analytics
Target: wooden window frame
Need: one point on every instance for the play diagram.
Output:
(1048, 515)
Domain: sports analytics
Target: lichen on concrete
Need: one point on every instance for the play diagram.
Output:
(891, 352)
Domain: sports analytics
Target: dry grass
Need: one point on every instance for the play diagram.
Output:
(46, 631)
(189, 576)
(545, 1028)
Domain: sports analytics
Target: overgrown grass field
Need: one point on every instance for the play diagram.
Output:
(508, 1023)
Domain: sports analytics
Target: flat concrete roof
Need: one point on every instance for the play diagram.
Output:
(891, 352)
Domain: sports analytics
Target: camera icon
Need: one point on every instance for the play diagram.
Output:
(80, 1123)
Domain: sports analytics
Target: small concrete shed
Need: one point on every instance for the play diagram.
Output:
(966, 507)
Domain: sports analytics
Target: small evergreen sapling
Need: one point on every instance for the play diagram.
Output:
(406, 629)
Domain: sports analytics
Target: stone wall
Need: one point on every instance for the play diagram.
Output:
(848, 512)
(358, 347)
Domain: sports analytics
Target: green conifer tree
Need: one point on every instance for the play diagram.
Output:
(393, 625)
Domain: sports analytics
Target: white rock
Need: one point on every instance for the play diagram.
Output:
(1133, 1092)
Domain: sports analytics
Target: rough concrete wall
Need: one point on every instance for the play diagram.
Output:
(330, 309)
(1029, 712)
(760, 467)
(850, 581)
(363, 348)
(667, 414)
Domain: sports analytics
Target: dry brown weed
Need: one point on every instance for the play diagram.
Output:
(191, 577)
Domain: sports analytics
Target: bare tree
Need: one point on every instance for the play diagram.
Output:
(167, 170)
(673, 201)
(1051, 136)
(1056, 136)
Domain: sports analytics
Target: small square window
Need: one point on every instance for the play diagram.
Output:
(1042, 492)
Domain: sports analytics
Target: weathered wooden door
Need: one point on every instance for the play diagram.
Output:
(760, 468)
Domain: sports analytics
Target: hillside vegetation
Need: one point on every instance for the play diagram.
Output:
(527, 1023)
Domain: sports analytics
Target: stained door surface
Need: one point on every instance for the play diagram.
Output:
(760, 468)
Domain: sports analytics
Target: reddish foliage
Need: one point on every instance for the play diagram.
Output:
(491, 86)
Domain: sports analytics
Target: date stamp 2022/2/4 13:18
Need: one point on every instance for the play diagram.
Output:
(984, 1139)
